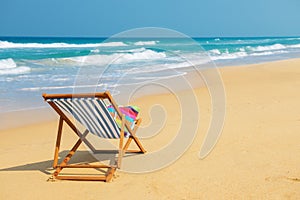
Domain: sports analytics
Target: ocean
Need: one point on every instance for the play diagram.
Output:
(30, 66)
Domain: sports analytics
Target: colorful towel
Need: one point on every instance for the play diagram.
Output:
(131, 112)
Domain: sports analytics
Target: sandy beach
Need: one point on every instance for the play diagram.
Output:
(256, 157)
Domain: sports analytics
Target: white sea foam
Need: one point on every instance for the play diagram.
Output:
(95, 51)
(295, 46)
(145, 55)
(131, 50)
(267, 53)
(228, 55)
(116, 58)
(268, 48)
(59, 87)
(141, 43)
(6, 44)
(293, 39)
(17, 70)
(8, 66)
(242, 53)
(215, 51)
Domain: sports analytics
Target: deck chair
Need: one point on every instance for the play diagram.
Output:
(91, 111)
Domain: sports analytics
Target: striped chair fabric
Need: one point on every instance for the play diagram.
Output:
(92, 113)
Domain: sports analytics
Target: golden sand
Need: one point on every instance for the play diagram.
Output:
(256, 157)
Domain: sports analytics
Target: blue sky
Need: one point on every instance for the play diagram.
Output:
(197, 18)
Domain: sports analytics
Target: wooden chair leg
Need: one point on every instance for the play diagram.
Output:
(110, 173)
(69, 156)
(64, 164)
(127, 143)
(129, 140)
(136, 140)
(58, 139)
(121, 151)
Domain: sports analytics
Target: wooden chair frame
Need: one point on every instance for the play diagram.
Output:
(82, 138)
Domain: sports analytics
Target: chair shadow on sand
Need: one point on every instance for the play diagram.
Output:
(81, 157)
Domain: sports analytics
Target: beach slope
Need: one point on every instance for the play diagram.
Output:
(256, 157)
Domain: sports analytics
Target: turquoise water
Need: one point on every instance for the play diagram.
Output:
(32, 66)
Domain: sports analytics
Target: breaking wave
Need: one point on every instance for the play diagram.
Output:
(6, 44)
(8, 66)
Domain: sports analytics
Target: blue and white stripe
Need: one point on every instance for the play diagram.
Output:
(92, 114)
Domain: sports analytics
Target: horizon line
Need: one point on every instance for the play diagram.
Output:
(101, 37)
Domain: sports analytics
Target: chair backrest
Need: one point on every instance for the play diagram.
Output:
(92, 113)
